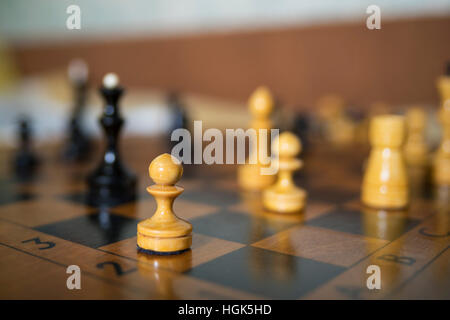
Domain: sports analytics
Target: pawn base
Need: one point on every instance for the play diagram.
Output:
(441, 171)
(393, 198)
(163, 246)
(157, 253)
(283, 201)
(251, 179)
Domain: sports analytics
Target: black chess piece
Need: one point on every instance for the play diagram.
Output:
(78, 147)
(180, 120)
(111, 182)
(25, 160)
(301, 128)
(178, 114)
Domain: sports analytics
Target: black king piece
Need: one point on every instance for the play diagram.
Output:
(111, 183)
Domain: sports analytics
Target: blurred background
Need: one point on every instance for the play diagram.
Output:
(214, 54)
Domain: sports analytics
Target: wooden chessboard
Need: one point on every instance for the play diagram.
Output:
(239, 250)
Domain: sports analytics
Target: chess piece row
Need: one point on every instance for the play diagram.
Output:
(165, 233)
(280, 194)
(385, 183)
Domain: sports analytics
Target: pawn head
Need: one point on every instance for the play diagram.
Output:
(287, 145)
(261, 102)
(387, 131)
(416, 118)
(110, 81)
(330, 106)
(444, 88)
(78, 70)
(165, 170)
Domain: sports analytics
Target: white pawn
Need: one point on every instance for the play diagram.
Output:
(284, 196)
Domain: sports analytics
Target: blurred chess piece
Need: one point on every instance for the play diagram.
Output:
(440, 228)
(250, 175)
(177, 111)
(179, 120)
(78, 146)
(442, 204)
(338, 127)
(441, 163)
(416, 150)
(385, 182)
(301, 128)
(25, 160)
(377, 108)
(284, 196)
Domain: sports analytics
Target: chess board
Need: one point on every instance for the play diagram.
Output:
(239, 251)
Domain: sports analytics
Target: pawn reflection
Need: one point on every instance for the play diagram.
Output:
(440, 229)
(158, 268)
(418, 181)
(386, 225)
(264, 224)
(441, 197)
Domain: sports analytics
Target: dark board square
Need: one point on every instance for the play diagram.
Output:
(94, 230)
(237, 227)
(8, 198)
(211, 196)
(331, 195)
(81, 198)
(357, 222)
(9, 193)
(266, 273)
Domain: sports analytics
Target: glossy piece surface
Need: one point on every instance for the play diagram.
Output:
(385, 183)
(284, 196)
(250, 177)
(164, 232)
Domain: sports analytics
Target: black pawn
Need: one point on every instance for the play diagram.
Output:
(25, 161)
(111, 183)
(78, 146)
(301, 128)
(179, 118)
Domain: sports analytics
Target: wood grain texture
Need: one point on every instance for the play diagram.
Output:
(239, 249)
